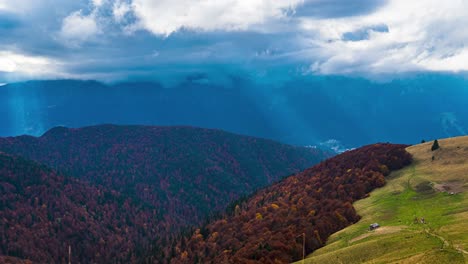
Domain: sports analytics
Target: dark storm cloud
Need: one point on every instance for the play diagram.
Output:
(144, 55)
(115, 51)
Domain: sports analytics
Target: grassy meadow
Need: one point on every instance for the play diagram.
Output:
(434, 188)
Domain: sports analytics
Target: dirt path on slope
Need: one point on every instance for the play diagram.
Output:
(445, 242)
(379, 231)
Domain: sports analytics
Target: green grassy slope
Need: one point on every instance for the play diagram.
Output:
(435, 189)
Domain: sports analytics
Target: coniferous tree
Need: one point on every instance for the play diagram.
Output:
(435, 145)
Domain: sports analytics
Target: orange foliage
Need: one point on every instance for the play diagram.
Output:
(317, 202)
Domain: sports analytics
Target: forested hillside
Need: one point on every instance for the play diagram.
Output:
(42, 213)
(169, 178)
(269, 226)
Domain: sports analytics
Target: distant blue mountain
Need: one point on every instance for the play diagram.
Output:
(305, 111)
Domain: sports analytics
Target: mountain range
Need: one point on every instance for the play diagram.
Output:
(304, 111)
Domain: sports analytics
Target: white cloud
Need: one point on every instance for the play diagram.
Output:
(120, 9)
(12, 6)
(25, 65)
(423, 35)
(164, 17)
(78, 28)
(29, 6)
(98, 3)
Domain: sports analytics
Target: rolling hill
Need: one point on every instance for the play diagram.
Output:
(176, 177)
(422, 210)
(268, 226)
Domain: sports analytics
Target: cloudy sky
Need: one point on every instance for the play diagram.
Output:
(124, 39)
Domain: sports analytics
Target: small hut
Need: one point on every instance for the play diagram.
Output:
(373, 226)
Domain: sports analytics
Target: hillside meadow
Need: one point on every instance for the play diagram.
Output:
(422, 210)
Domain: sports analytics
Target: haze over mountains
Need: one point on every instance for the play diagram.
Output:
(303, 111)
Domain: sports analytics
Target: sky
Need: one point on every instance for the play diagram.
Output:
(144, 39)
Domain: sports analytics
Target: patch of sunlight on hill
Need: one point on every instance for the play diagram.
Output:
(433, 187)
